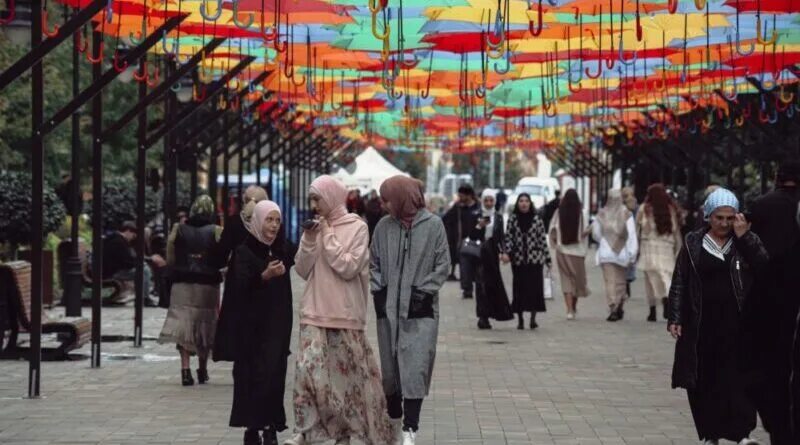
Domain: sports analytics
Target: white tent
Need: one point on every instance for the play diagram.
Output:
(369, 171)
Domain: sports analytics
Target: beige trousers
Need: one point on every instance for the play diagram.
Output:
(614, 278)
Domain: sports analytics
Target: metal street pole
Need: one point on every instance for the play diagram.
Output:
(73, 276)
(97, 203)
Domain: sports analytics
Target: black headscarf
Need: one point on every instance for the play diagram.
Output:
(524, 219)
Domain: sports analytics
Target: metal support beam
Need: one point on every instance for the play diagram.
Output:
(40, 49)
(97, 204)
(141, 178)
(214, 90)
(158, 91)
(37, 209)
(102, 81)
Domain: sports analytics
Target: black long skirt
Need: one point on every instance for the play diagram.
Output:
(259, 383)
(528, 288)
(491, 300)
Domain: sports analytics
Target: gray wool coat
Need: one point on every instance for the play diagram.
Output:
(407, 269)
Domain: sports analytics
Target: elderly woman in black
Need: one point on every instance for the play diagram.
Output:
(710, 284)
(257, 313)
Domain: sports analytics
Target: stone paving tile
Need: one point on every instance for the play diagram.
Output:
(586, 382)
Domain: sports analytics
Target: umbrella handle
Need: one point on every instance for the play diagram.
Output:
(204, 10)
(241, 25)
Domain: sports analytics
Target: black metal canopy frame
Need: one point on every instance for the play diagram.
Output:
(301, 154)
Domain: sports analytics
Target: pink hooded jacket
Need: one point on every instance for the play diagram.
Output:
(334, 260)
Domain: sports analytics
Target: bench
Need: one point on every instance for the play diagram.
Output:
(64, 252)
(15, 288)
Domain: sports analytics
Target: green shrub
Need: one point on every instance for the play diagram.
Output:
(15, 209)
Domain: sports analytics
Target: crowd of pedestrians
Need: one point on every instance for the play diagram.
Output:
(726, 284)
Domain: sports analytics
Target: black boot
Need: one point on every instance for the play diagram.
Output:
(614, 315)
(186, 377)
(620, 312)
(483, 323)
(202, 376)
(467, 295)
(251, 437)
(665, 305)
(520, 321)
(269, 436)
(652, 316)
(534, 325)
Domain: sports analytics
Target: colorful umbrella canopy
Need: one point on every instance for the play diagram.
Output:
(477, 74)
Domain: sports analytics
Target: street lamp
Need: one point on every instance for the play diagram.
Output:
(184, 90)
(18, 30)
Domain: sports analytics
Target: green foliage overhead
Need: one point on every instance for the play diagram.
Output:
(15, 208)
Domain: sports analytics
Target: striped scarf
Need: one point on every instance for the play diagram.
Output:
(713, 248)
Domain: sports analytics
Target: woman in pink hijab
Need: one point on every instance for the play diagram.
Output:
(337, 390)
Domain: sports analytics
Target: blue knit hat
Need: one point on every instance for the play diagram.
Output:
(719, 198)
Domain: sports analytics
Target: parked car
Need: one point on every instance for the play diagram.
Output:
(542, 191)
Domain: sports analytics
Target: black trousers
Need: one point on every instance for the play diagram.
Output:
(469, 268)
(408, 409)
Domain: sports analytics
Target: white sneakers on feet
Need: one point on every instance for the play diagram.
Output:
(298, 439)
(570, 316)
(409, 438)
(749, 441)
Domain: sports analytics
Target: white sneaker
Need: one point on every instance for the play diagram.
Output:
(570, 316)
(298, 439)
(344, 441)
(749, 441)
(409, 438)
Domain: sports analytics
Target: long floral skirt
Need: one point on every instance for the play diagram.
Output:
(337, 388)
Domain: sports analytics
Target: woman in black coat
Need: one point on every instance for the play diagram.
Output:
(255, 326)
(713, 276)
(491, 299)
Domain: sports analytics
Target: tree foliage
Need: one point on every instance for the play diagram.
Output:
(15, 208)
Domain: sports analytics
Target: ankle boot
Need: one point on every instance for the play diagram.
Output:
(269, 436)
(620, 311)
(520, 321)
(251, 437)
(186, 377)
(483, 323)
(652, 316)
(202, 376)
(665, 305)
(534, 325)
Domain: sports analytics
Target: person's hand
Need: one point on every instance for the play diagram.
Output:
(740, 225)
(274, 269)
(675, 331)
(157, 260)
(505, 258)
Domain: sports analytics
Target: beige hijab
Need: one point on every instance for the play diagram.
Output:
(613, 219)
(252, 196)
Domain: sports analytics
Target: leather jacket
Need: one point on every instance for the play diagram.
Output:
(685, 295)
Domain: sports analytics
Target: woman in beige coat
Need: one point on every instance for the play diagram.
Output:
(660, 241)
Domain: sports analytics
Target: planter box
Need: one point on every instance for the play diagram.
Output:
(48, 271)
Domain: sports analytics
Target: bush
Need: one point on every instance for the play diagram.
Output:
(15, 208)
(119, 202)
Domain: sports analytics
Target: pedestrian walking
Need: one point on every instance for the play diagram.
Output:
(491, 299)
(615, 230)
(237, 227)
(659, 232)
(409, 264)
(459, 221)
(569, 234)
(629, 199)
(777, 303)
(194, 300)
(710, 286)
(337, 389)
(258, 310)
(526, 249)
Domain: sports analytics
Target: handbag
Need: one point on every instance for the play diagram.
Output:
(471, 248)
(548, 283)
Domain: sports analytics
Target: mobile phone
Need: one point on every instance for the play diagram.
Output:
(486, 218)
(309, 224)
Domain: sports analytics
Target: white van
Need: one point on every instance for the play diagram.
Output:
(542, 191)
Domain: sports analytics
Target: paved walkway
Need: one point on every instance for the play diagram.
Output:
(582, 382)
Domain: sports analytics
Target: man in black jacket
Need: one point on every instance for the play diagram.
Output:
(119, 262)
(459, 221)
(777, 301)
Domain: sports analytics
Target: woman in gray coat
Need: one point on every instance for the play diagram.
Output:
(409, 264)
